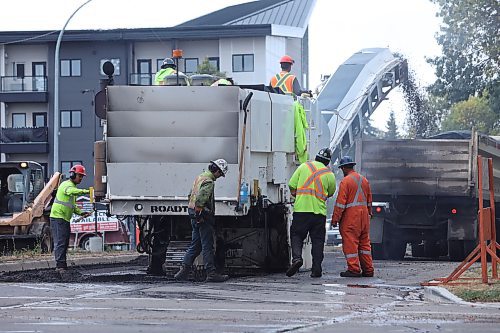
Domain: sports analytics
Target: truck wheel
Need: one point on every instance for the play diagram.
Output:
(46, 243)
(431, 249)
(459, 249)
(392, 246)
(417, 250)
(85, 243)
(378, 252)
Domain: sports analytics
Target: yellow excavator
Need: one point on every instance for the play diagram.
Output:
(25, 201)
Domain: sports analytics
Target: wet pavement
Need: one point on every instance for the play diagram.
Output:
(123, 299)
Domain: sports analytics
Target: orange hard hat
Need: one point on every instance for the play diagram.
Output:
(79, 169)
(287, 59)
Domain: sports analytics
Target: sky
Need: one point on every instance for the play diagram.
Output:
(337, 29)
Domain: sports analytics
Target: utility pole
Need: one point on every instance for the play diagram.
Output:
(55, 167)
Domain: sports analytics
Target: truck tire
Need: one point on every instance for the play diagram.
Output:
(432, 249)
(392, 246)
(417, 250)
(85, 243)
(458, 250)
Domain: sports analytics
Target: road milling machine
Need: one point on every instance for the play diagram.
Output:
(157, 139)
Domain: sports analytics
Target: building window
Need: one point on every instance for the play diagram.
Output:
(214, 62)
(19, 70)
(115, 62)
(190, 65)
(67, 165)
(71, 67)
(39, 120)
(242, 62)
(71, 118)
(159, 62)
(19, 120)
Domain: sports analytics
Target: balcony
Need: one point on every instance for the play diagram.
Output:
(24, 140)
(27, 89)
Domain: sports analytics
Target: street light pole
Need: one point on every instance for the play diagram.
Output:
(56, 91)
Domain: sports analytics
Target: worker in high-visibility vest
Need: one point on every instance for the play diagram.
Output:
(312, 183)
(201, 210)
(62, 211)
(285, 82)
(353, 209)
(167, 68)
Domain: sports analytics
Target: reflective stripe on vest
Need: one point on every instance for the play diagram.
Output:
(281, 82)
(315, 176)
(196, 189)
(64, 203)
(359, 191)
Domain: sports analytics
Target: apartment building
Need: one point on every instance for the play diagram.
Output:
(244, 41)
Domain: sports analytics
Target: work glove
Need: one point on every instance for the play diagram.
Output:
(198, 214)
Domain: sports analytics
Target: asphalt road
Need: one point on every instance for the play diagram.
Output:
(393, 301)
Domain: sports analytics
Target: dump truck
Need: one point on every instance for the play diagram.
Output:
(24, 206)
(426, 192)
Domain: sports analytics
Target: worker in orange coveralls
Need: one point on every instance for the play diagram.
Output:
(353, 211)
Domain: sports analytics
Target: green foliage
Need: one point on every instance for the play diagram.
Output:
(392, 127)
(371, 131)
(206, 68)
(474, 112)
(469, 38)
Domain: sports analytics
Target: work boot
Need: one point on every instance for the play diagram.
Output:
(294, 268)
(61, 269)
(216, 277)
(316, 273)
(182, 274)
(367, 274)
(350, 274)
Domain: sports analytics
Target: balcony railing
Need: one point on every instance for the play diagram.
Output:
(24, 134)
(23, 84)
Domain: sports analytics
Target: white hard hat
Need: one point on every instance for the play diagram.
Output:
(221, 164)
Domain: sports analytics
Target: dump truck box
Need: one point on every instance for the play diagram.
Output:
(428, 189)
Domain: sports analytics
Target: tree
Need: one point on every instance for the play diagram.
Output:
(474, 112)
(392, 127)
(371, 131)
(469, 38)
(207, 68)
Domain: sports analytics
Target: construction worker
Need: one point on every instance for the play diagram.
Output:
(311, 184)
(223, 82)
(62, 211)
(167, 68)
(353, 211)
(201, 209)
(285, 82)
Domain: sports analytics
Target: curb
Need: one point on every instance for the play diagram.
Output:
(440, 294)
(83, 261)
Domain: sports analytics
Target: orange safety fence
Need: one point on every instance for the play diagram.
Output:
(487, 236)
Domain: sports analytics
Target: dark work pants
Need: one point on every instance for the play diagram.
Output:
(61, 230)
(202, 241)
(314, 224)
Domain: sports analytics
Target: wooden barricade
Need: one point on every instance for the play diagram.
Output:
(487, 235)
